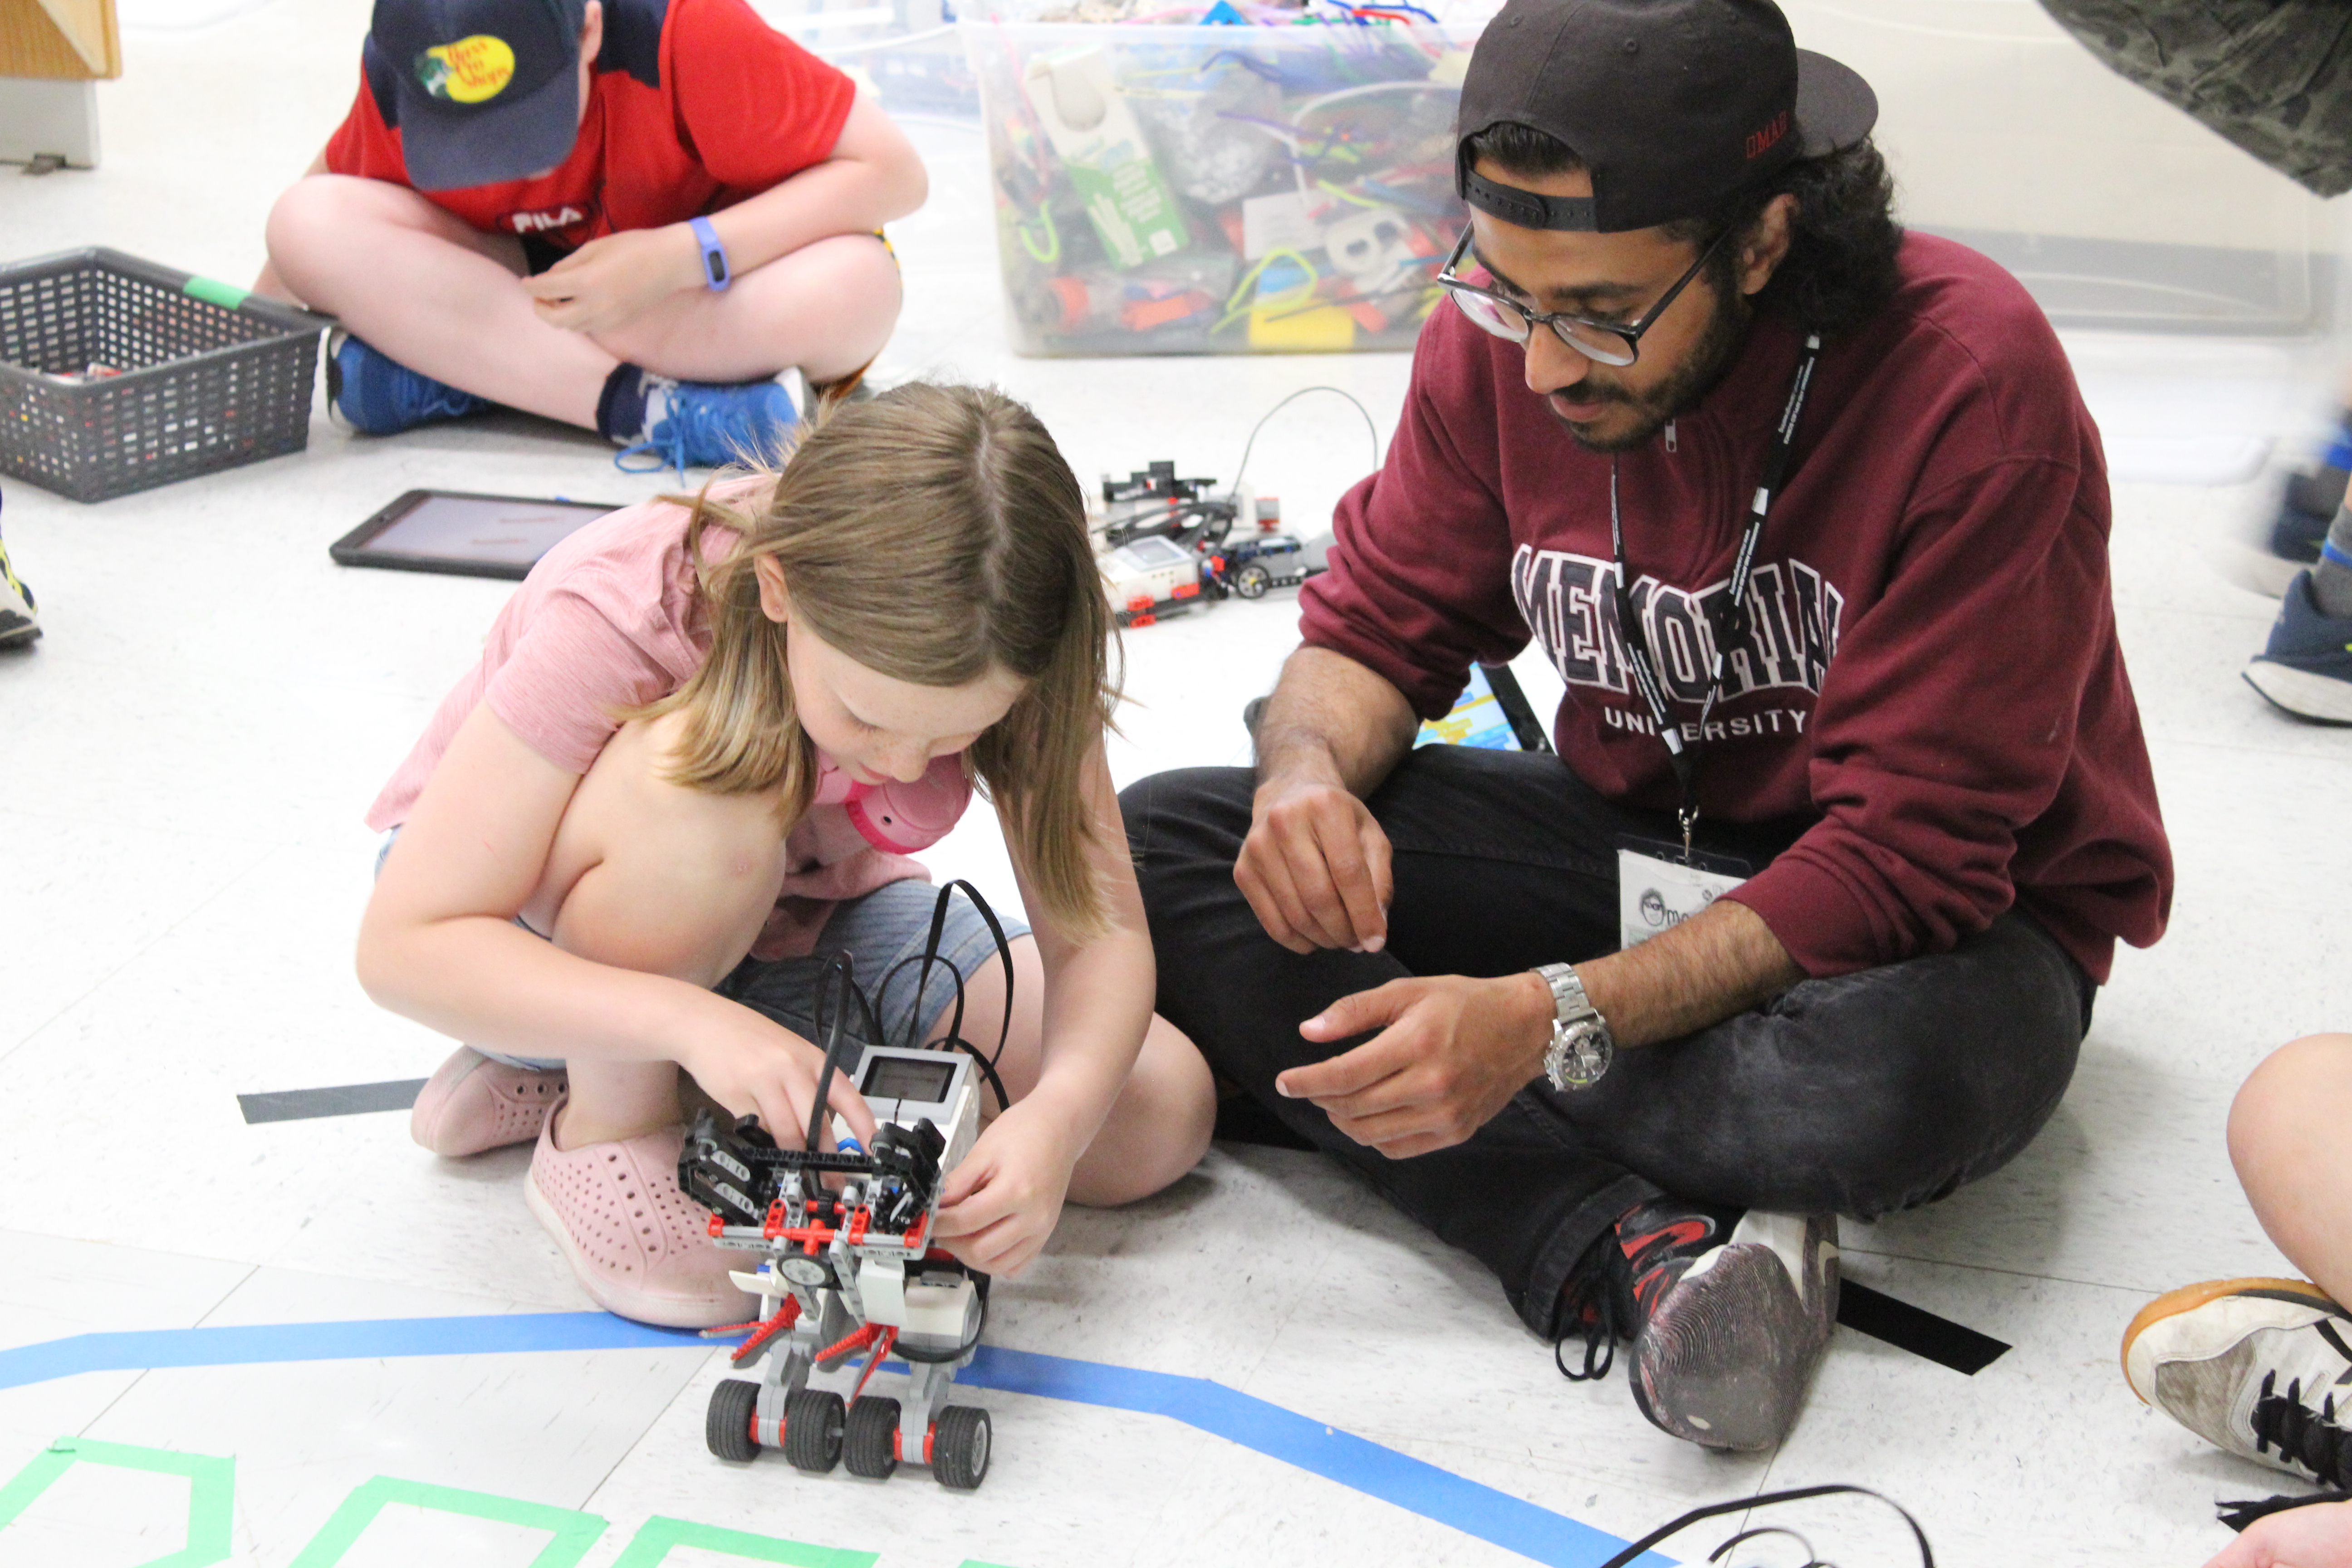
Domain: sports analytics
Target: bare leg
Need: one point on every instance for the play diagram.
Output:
(827, 308)
(652, 875)
(434, 293)
(1159, 1127)
(444, 299)
(2286, 1139)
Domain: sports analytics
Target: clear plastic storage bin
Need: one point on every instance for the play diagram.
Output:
(1220, 189)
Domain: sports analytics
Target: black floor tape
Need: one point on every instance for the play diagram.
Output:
(1914, 1329)
(343, 1099)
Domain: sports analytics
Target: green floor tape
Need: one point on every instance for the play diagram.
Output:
(211, 1484)
(571, 1532)
(652, 1545)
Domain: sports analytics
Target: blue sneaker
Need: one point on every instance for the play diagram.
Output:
(2297, 534)
(2307, 670)
(707, 424)
(380, 397)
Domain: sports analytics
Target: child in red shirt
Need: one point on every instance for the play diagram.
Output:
(626, 215)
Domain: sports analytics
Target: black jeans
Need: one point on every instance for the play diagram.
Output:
(1862, 1094)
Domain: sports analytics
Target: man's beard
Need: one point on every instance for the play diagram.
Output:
(1709, 359)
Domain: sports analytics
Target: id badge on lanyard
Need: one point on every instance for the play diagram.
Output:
(1659, 886)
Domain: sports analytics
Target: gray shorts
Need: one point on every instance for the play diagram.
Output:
(888, 925)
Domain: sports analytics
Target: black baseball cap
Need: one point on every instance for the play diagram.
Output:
(1673, 105)
(488, 91)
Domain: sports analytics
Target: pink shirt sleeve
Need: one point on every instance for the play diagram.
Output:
(573, 671)
(605, 622)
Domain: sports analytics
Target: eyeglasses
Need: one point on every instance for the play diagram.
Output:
(1606, 343)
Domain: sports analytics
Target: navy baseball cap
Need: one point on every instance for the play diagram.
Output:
(1673, 105)
(488, 91)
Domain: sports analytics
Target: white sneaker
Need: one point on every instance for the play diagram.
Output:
(2261, 1368)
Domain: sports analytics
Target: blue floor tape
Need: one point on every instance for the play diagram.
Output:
(1423, 1489)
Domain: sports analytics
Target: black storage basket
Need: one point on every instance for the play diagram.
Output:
(209, 377)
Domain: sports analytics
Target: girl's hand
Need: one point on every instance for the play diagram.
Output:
(758, 1067)
(2318, 1535)
(609, 282)
(1000, 1206)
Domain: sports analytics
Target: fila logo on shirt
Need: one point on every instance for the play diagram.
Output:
(546, 218)
(1571, 604)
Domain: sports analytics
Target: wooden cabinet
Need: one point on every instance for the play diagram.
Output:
(71, 40)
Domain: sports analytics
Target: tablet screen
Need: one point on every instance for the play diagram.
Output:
(483, 530)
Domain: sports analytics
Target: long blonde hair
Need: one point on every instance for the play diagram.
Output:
(933, 534)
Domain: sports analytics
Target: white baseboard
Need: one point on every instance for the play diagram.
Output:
(59, 119)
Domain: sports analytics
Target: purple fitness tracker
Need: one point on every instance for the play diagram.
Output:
(715, 270)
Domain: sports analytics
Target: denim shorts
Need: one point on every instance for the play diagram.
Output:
(888, 925)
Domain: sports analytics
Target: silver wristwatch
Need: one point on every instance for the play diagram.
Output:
(1581, 1047)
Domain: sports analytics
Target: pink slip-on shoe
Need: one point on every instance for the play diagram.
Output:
(472, 1103)
(639, 1246)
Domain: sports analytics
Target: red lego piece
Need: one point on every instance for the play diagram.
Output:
(856, 1340)
(1144, 315)
(786, 1316)
(881, 1349)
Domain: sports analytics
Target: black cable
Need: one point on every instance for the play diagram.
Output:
(833, 1030)
(1740, 1505)
(930, 955)
(1243, 467)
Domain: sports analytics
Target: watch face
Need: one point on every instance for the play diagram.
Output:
(804, 1270)
(1585, 1054)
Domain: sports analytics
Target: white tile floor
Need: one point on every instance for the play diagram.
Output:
(184, 761)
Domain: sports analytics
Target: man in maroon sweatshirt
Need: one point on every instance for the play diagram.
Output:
(1810, 517)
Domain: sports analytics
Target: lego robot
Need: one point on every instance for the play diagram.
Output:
(1153, 504)
(845, 1266)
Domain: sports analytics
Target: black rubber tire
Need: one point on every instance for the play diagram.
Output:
(869, 1444)
(728, 1427)
(812, 1429)
(1251, 580)
(960, 1448)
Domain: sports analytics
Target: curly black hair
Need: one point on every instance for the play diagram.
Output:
(1840, 265)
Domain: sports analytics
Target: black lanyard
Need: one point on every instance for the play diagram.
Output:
(1728, 622)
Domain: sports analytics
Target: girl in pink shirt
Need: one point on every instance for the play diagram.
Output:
(699, 743)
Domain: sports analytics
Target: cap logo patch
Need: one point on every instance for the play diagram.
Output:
(471, 71)
(1764, 141)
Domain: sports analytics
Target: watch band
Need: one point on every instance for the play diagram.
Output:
(715, 270)
(1569, 1003)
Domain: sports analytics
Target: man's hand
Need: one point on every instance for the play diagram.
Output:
(1315, 868)
(609, 282)
(2318, 1536)
(1451, 1055)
